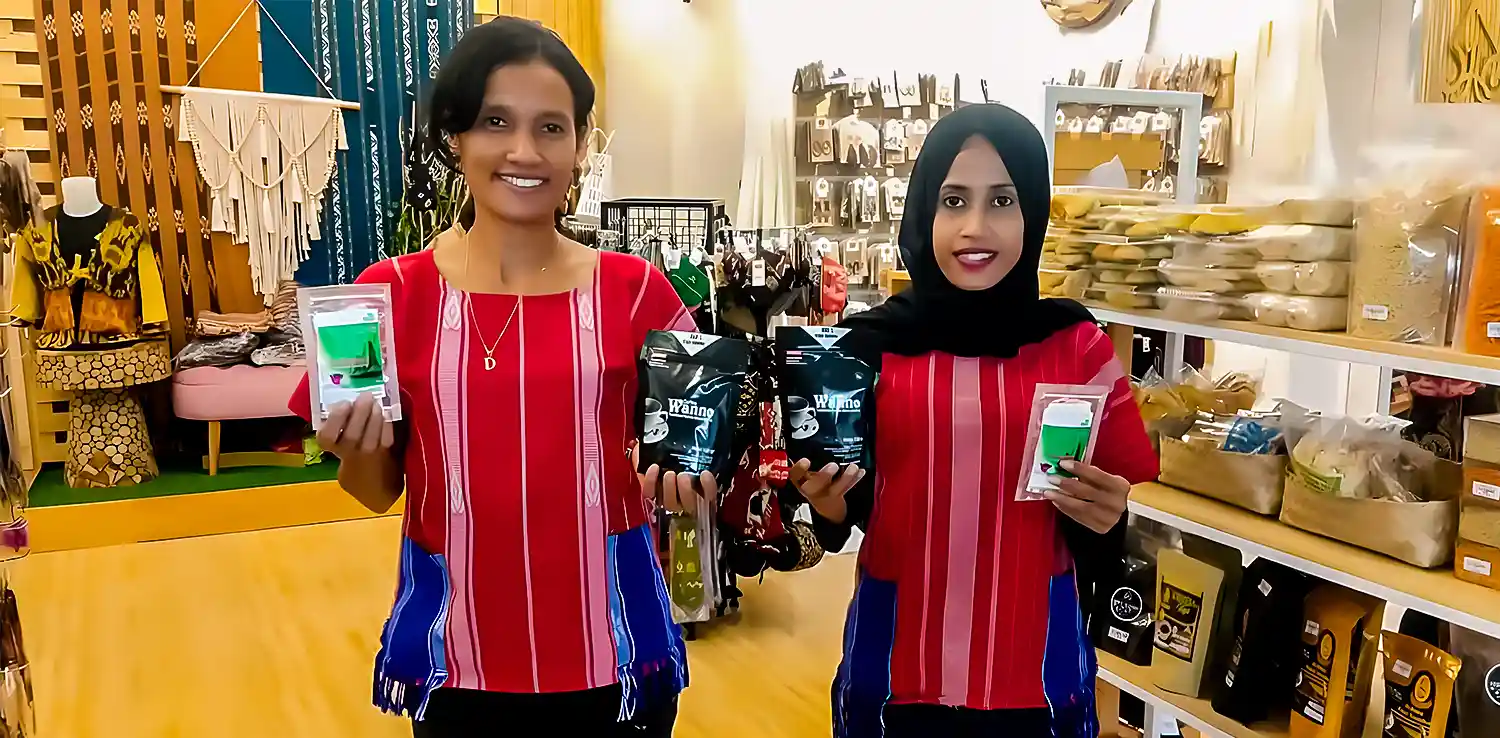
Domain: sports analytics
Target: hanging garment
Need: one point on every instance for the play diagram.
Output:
(268, 165)
(20, 199)
(110, 256)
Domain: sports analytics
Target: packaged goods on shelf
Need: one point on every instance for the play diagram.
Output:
(1478, 329)
(1419, 684)
(1188, 592)
(1482, 438)
(1121, 296)
(1477, 563)
(1141, 273)
(1359, 482)
(1302, 312)
(1406, 259)
(1251, 481)
(1479, 505)
(1064, 282)
(1340, 633)
(1216, 279)
(1122, 622)
(1196, 306)
(1301, 242)
(1316, 278)
(1478, 686)
(1265, 652)
(1234, 253)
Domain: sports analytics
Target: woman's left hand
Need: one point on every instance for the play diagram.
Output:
(1096, 499)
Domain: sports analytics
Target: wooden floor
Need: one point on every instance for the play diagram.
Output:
(272, 633)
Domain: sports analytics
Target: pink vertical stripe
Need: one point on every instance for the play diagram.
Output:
(926, 397)
(468, 521)
(536, 677)
(581, 502)
(600, 630)
(963, 531)
(1005, 489)
(447, 366)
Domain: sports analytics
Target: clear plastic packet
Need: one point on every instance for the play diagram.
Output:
(1196, 306)
(1064, 282)
(351, 347)
(1122, 296)
(1063, 423)
(1302, 312)
(1216, 279)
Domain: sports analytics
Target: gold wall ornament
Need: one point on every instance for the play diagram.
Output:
(1461, 52)
(1077, 13)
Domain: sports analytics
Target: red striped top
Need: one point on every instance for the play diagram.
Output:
(973, 565)
(518, 475)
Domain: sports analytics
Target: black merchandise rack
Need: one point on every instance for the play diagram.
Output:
(689, 221)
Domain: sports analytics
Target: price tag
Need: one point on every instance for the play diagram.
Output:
(1095, 125)
(1492, 330)
(1118, 635)
(821, 124)
(671, 257)
(1265, 588)
(1161, 122)
(1402, 669)
(1376, 312)
(758, 273)
(1312, 628)
(1487, 491)
(1075, 125)
(1477, 566)
(697, 256)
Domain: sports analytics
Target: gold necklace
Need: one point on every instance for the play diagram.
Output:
(489, 350)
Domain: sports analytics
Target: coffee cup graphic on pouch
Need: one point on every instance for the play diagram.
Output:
(800, 417)
(1066, 425)
(655, 430)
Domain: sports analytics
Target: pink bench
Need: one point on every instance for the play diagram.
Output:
(240, 392)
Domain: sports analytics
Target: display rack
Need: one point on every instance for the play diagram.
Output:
(1432, 591)
(1189, 104)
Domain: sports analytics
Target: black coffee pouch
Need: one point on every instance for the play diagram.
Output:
(827, 394)
(690, 386)
(1124, 610)
(1263, 660)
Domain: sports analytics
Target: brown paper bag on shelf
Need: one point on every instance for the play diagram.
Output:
(1419, 533)
(1251, 481)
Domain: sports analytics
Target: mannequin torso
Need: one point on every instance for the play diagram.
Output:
(80, 196)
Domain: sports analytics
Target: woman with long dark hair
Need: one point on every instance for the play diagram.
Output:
(967, 616)
(530, 597)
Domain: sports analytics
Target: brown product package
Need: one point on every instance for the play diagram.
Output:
(1419, 681)
(1339, 649)
(1477, 563)
(1187, 610)
(1478, 683)
(1482, 438)
(1479, 513)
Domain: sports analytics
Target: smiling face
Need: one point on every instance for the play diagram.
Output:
(520, 155)
(978, 232)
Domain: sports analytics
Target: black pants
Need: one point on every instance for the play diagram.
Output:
(462, 713)
(937, 721)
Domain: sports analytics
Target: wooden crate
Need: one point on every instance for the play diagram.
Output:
(23, 100)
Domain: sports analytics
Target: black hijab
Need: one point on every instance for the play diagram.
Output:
(933, 314)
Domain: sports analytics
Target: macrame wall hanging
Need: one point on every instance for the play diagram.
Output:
(267, 160)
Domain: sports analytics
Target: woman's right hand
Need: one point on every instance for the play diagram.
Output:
(825, 488)
(356, 431)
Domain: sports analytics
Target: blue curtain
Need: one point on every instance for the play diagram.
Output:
(382, 54)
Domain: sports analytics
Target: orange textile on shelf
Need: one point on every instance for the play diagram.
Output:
(1481, 307)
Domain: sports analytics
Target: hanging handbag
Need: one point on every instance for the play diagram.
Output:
(835, 287)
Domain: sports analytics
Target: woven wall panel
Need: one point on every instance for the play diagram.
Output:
(104, 62)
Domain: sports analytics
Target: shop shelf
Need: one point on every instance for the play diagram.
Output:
(1194, 712)
(1437, 361)
(1433, 591)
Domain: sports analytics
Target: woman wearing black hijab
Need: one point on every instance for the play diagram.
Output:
(968, 615)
